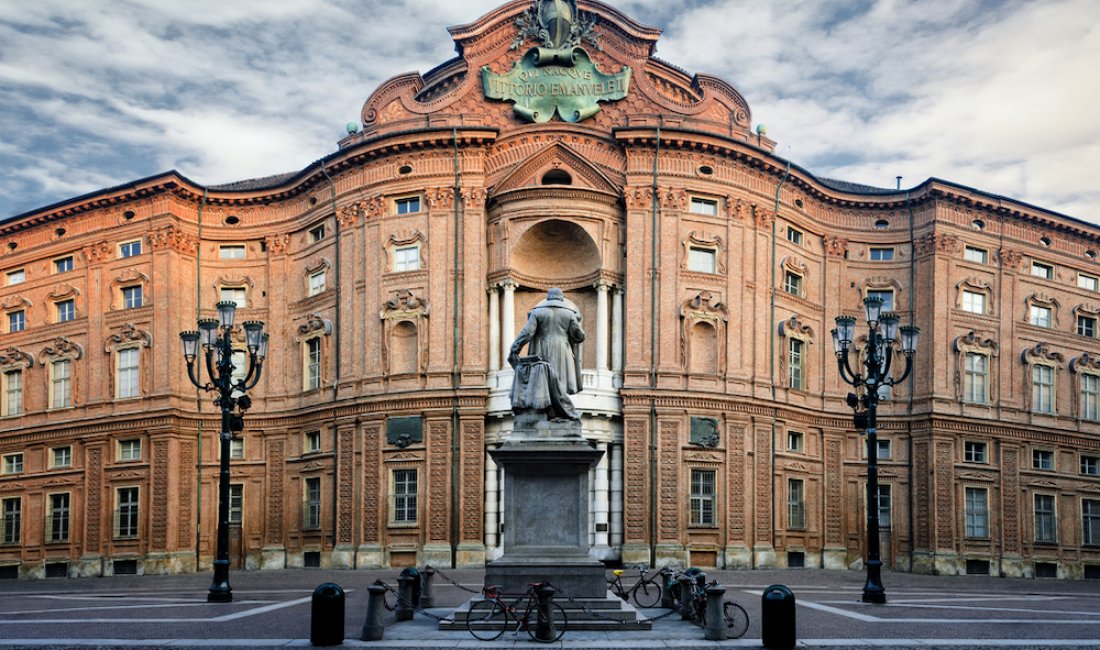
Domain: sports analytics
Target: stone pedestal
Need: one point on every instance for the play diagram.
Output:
(545, 500)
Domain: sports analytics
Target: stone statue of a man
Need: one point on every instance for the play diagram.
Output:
(551, 372)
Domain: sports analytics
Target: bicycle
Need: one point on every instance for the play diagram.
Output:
(736, 618)
(488, 619)
(646, 592)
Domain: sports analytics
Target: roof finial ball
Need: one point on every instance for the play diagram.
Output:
(761, 131)
(353, 128)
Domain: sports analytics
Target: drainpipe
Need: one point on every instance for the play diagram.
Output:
(912, 376)
(338, 346)
(455, 378)
(654, 252)
(198, 394)
(771, 342)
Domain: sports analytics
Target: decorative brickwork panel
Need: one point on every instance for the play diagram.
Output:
(635, 467)
(763, 486)
(834, 492)
(439, 475)
(345, 500)
(473, 480)
(159, 531)
(1010, 516)
(185, 500)
(372, 465)
(945, 495)
(668, 509)
(95, 499)
(735, 488)
(276, 457)
(922, 477)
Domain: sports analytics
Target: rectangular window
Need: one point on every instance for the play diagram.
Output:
(61, 384)
(231, 252)
(796, 504)
(794, 235)
(882, 254)
(1086, 326)
(973, 254)
(129, 449)
(236, 503)
(17, 321)
(708, 207)
(701, 500)
(128, 372)
(129, 248)
(973, 302)
(796, 357)
(1039, 316)
(1090, 521)
(1090, 465)
(126, 513)
(795, 441)
(974, 452)
(317, 233)
(886, 296)
(317, 283)
(884, 449)
(1045, 530)
(1040, 270)
(976, 378)
(62, 457)
(311, 519)
(703, 260)
(13, 463)
(235, 295)
(406, 258)
(13, 521)
(404, 496)
(236, 448)
(884, 510)
(792, 283)
(408, 205)
(66, 310)
(18, 276)
(13, 392)
(313, 441)
(977, 512)
(1042, 459)
(132, 297)
(313, 363)
(63, 264)
(1042, 388)
(57, 519)
(1088, 282)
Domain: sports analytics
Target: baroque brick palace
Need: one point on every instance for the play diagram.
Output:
(394, 273)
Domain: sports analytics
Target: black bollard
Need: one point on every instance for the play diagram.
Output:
(376, 607)
(716, 622)
(777, 618)
(426, 598)
(404, 610)
(669, 589)
(685, 597)
(545, 630)
(327, 616)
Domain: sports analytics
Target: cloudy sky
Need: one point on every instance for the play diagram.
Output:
(998, 95)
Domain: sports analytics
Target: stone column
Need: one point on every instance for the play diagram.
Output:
(508, 331)
(601, 502)
(492, 505)
(601, 325)
(617, 330)
(615, 539)
(494, 328)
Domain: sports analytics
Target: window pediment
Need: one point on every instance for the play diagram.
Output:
(1085, 363)
(63, 291)
(556, 157)
(794, 327)
(879, 283)
(702, 239)
(61, 347)
(233, 281)
(1087, 310)
(320, 265)
(14, 302)
(977, 284)
(792, 263)
(972, 341)
(13, 356)
(704, 306)
(404, 305)
(1042, 300)
(315, 323)
(1042, 353)
(127, 336)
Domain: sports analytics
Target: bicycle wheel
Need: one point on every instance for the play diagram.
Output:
(486, 620)
(737, 619)
(558, 624)
(647, 593)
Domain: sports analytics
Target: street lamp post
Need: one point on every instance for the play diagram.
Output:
(877, 355)
(217, 346)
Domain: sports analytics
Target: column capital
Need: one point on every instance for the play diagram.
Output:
(603, 284)
(509, 283)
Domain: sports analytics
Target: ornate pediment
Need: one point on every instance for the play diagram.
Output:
(14, 356)
(1041, 352)
(973, 340)
(705, 305)
(61, 347)
(549, 163)
(128, 333)
(404, 305)
(1085, 362)
(315, 323)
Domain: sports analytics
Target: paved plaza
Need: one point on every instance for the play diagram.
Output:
(272, 609)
